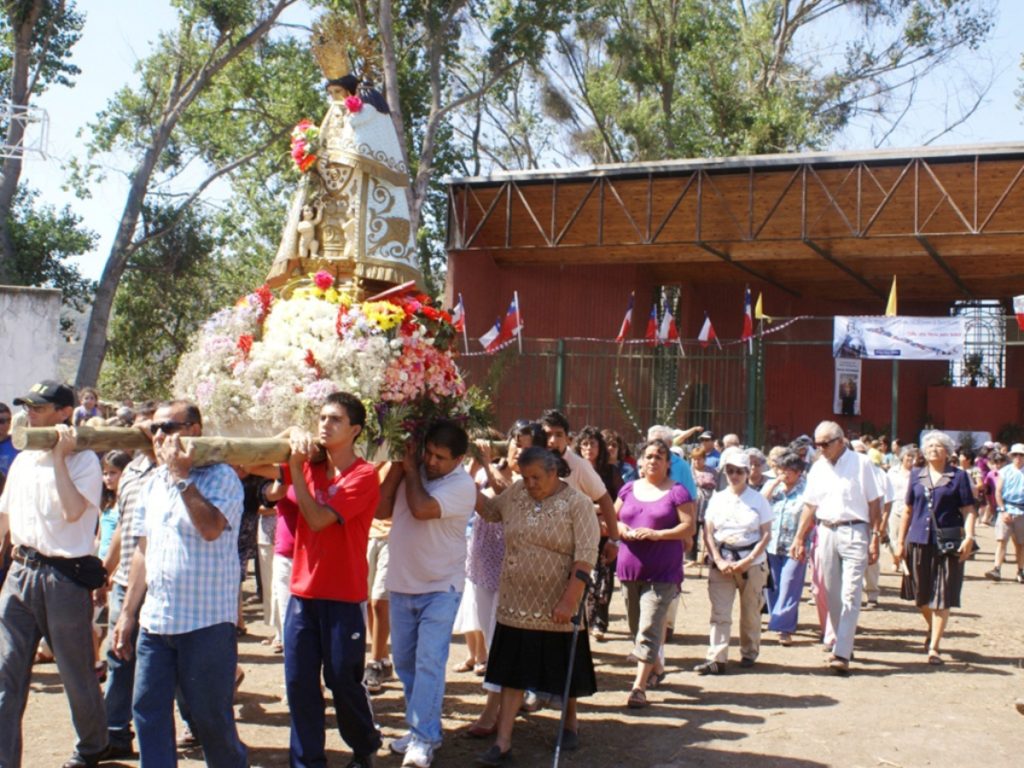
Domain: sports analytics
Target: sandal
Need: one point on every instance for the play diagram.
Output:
(466, 666)
(479, 670)
(656, 678)
(935, 659)
(637, 699)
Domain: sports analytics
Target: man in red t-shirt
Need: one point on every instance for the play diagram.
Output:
(324, 629)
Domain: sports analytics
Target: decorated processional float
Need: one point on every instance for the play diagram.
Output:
(342, 308)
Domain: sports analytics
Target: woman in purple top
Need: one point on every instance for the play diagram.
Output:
(939, 496)
(656, 521)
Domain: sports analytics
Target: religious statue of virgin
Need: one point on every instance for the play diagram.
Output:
(350, 216)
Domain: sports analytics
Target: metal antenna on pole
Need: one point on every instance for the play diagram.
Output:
(35, 132)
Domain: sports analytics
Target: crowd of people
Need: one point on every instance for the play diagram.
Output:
(129, 567)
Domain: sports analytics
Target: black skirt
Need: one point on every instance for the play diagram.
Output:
(530, 659)
(934, 580)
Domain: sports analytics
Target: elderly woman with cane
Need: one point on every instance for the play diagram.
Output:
(936, 537)
(551, 537)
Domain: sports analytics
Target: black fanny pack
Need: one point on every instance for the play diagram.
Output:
(87, 571)
(734, 554)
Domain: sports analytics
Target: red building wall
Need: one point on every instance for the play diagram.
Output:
(589, 301)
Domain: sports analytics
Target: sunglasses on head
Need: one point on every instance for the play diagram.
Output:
(169, 427)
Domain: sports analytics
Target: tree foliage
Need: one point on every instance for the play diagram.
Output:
(36, 38)
(172, 285)
(150, 123)
(633, 80)
(46, 240)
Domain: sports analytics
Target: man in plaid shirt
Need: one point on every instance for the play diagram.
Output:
(186, 568)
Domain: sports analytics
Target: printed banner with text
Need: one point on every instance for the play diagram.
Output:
(899, 338)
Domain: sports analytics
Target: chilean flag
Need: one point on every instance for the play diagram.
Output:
(459, 316)
(668, 333)
(707, 333)
(627, 321)
(504, 329)
(748, 321)
(652, 326)
(1018, 310)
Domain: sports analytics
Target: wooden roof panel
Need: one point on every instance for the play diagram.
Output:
(948, 225)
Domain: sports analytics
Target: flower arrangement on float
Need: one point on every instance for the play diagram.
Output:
(269, 362)
(305, 143)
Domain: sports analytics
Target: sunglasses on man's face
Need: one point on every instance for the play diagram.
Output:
(169, 427)
(826, 443)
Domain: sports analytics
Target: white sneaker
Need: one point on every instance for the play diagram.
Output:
(400, 745)
(418, 754)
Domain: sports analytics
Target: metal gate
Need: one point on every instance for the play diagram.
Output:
(594, 382)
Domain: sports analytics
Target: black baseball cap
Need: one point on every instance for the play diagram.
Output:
(48, 391)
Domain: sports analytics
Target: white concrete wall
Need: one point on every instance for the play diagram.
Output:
(29, 338)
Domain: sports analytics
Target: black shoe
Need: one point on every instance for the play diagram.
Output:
(747, 663)
(1020, 577)
(119, 751)
(78, 760)
(494, 756)
(366, 761)
(710, 668)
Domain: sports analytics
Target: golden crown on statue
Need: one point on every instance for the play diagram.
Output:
(340, 46)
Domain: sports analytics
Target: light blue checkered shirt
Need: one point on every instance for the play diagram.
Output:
(191, 583)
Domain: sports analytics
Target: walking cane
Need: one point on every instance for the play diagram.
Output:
(576, 621)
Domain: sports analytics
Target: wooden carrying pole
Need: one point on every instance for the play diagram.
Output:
(245, 451)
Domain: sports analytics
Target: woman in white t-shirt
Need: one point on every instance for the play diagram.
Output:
(737, 527)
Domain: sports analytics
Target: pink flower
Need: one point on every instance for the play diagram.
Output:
(323, 280)
(354, 103)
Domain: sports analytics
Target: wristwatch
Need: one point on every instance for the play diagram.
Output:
(181, 485)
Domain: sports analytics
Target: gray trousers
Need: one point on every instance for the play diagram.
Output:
(842, 557)
(647, 606)
(40, 602)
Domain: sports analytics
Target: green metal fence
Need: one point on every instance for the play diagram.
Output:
(627, 389)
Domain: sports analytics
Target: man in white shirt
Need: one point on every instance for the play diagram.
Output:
(843, 496)
(583, 477)
(426, 574)
(51, 505)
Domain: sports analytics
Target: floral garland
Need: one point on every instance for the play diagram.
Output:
(305, 142)
(269, 362)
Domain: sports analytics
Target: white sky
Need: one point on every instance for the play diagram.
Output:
(119, 32)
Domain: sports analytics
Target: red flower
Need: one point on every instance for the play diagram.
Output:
(430, 313)
(354, 103)
(245, 345)
(307, 163)
(323, 280)
(312, 363)
(265, 297)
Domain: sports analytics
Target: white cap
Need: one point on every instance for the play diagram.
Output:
(734, 457)
(1017, 448)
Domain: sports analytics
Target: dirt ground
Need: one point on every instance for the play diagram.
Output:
(894, 709)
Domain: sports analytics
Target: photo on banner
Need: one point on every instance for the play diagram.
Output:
(846, 396)
(899, 338)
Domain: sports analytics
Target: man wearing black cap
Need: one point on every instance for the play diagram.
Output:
(51, 504)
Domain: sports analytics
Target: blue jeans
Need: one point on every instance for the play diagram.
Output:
(787, 589)
(202, 663)
(326, 637)
(421, 634)
(120, 679)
